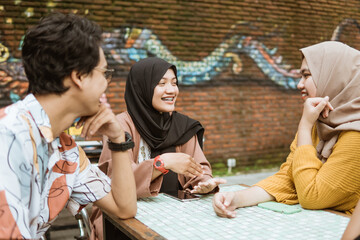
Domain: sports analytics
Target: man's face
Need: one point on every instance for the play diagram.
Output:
(95, 85)
(306, 84)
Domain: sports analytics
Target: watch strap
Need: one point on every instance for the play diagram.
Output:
(121, 147)
(159, 165)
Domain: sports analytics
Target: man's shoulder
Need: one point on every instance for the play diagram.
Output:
(8, 113)
(12, 119)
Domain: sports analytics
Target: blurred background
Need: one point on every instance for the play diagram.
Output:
(237, 60)
(237, 63)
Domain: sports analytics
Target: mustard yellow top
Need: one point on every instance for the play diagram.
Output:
(304, 179)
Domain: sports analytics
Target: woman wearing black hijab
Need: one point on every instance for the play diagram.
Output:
(167, 155)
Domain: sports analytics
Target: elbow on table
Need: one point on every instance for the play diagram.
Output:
(125, 213)
(313, 204)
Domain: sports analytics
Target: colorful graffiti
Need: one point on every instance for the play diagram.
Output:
(132, 44)
(128, 44)
(13, 82)
(344, 23)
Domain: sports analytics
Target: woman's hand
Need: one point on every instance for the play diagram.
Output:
(224, 204)
(183, 164)
(207, 186)
(312, 109)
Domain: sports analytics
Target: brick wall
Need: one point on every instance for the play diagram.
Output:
(248, 114)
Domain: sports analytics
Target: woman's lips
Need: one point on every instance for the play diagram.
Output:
(168, 100)
(304, 94)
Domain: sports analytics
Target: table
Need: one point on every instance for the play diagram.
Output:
(162, 217)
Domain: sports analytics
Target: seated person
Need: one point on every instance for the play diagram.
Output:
(323, 168)
(168, 152)
(42, 169)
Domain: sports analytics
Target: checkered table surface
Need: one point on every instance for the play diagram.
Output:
(174, 219)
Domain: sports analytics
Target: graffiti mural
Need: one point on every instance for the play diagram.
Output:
(13, 82)
(132, 44)
(128, 44)
(344, 23)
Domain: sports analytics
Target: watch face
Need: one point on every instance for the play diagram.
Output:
(158, 163)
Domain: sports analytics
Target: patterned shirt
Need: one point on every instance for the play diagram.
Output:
(39, 175)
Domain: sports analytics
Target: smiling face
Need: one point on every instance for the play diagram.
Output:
(95, 85)
(166, 92)
(306, 84)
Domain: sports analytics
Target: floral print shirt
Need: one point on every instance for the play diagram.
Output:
(40, 175)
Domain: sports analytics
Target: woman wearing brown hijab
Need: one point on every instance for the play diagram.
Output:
(323, 167)
(167, 155)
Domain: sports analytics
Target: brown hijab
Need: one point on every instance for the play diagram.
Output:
(335, 69)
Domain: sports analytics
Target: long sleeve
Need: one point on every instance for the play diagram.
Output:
(304, 179)
(193, 148)
(144, 186)
(280, 185)
(334, 184)
(142, 171)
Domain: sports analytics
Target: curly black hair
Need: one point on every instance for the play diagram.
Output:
(55, 47)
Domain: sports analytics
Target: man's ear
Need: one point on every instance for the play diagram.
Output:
(76, 79)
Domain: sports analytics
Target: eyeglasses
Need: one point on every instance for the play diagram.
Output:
(107, 73)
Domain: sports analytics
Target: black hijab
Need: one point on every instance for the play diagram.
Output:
(161, 131)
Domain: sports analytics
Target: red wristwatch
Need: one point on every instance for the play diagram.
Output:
(159, 165)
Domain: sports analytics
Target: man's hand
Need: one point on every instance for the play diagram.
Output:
(208, 186)
(182, 163)
(102, 123)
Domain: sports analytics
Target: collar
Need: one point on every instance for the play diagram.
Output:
(39, 116)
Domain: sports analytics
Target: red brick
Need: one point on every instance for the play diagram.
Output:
(246, 116)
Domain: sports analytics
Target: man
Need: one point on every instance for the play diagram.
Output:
(42, 169)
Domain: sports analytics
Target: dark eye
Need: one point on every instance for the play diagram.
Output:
(108, 73)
